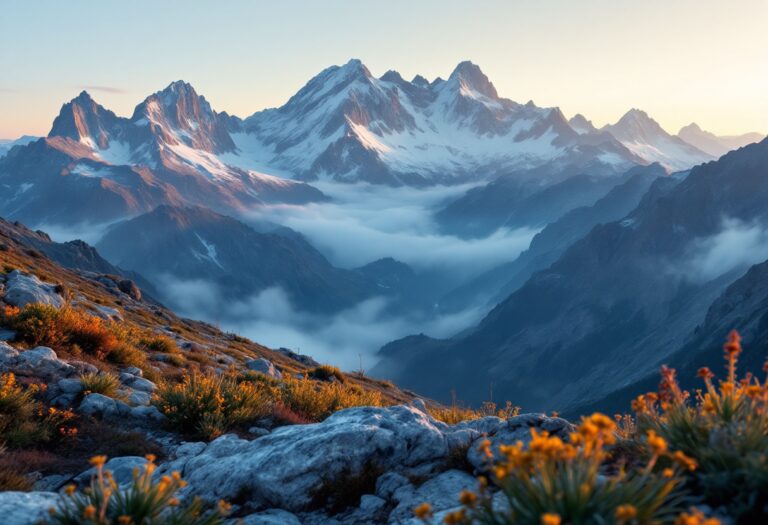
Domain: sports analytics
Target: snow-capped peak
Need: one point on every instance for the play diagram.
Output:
(646, 138)
(178, 115)
(581, 124)
(83, 120)
(471, 78)
(636, 124)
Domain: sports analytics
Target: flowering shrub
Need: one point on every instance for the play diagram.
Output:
(73, 331)
(552, 481)
(208, 405)
(63, 329)
(723, 427)
(144, 502)
(24, 421)
(315, 400)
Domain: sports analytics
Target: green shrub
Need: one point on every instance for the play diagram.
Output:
(326, 372)
(208, 405)
(144, 502)
(100, 383)
(159, 343)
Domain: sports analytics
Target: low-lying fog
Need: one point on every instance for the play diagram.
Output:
(361, 224)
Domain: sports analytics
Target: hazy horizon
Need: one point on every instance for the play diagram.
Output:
(679, 62)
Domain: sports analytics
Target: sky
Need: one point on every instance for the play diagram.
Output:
(679, 60)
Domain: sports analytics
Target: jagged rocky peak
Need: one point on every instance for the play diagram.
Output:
(638, 123)
(343, 75)
(420, 81)
(581, 124)
(83, 119)
(179, 115)
(354, 67)
(392, 76)
(690, 128)
(470, 76)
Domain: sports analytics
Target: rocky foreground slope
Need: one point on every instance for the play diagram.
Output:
(369, 464)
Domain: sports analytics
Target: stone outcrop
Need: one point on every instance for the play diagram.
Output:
(22, 289)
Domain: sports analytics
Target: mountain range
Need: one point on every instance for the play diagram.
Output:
(615, 305)
(642, 238)
(344, 125)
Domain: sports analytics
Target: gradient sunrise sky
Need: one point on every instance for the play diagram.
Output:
(680, 60)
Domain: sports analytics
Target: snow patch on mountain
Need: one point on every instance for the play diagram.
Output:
(210, 251)
(647, 139)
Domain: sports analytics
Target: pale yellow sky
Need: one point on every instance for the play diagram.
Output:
(680, 60)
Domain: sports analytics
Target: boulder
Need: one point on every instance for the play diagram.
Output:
(129, 288)
(8, 355)
(137, 383)
(134, 371)
(51, 483)
(82, 368)
(42, 362)
(107, 313)
(143, 385)
(120, 467)
(70, 386)
(138, 398)
(441, 492)
(26, 508)
(22, 289)
(147, 415)
(258, 432)
(99, 405)
(301, 358)
(285, 468)
(264, 366)
(389, 482)
(508, 432)
(268, 517)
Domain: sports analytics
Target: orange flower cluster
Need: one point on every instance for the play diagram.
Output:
(716, 398)
(146, 501)
(695, 518)
(547, 459)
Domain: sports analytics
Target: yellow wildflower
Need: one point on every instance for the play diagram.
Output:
(423, 511)
(626, 512)
(550, 518)
(468, 498)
